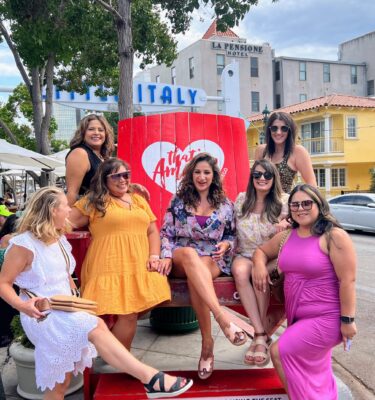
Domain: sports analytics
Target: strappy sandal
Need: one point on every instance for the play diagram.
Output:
(250, 353)
(175, 390)
(232, 332)
(205, 367)
(264, 354)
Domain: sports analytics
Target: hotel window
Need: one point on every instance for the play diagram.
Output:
(302, 71)
(157, 79)
(320, 175)
(254, 68)
(338, 177)
(220, 63)
(220, 103)
(191, 67)
(277, 70)
(278, 101)
(370, 88)
(353, 75)
(255, 102)
(351, 127)
(326, 73)
(302, 97)
(173, 75)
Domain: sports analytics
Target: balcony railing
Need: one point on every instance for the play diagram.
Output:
(323, 145)
(316, 146)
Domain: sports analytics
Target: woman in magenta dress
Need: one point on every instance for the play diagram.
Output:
(319, 263)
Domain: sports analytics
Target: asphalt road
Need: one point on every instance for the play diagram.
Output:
(356, 368)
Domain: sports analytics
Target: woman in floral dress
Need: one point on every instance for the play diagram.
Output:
(196, 239)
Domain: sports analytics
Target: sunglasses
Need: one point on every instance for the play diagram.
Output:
(305, 204)
(283, 128)
(267, 175)
(118, 175)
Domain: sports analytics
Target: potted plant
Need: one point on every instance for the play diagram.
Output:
(22, 352)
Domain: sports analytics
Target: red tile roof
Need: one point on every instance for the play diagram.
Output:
(212, 31)
(333, 100)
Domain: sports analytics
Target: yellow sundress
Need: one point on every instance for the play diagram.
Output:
(114, 272)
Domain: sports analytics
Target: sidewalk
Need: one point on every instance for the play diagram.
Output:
(166, 352)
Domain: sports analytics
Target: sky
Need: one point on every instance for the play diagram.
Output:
(294, 28)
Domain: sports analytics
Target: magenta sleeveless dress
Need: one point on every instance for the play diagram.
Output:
(313, 312)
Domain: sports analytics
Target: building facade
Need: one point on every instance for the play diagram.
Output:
(338, 132)
(265, 79)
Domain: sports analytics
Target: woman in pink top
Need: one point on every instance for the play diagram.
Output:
(319, 263)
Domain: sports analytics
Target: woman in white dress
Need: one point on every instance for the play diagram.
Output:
(64, 342)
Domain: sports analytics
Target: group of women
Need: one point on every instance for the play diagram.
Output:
(202, 237)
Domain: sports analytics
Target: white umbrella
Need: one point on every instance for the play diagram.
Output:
(16, 155)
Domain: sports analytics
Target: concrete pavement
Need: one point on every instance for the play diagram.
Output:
(166, 352)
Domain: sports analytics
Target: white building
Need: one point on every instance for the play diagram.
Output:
(265, 79)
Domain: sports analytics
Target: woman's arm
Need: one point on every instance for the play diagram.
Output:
(343, 257)
(304, 165)
(168, 239)
(227, 241)
(153, 263)
(259, 152)
(262, 255)
(17, 259)
(77, 165)
(77, 219)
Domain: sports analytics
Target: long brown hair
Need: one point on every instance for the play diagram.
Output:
(188, 193)
(107, 147)
(273, 204)
(326, 221)
(99, 193)
(290, 140)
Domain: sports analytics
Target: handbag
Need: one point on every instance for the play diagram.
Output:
(277, 278)
(62, 302)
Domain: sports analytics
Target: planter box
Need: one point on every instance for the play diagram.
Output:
(25, 366)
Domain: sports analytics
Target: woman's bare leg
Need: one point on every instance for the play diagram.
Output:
(187, 262)
(124, 329)
(275, 356)
(58, 392)
(116, 355)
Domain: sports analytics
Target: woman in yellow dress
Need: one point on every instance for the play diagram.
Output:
(120, 270)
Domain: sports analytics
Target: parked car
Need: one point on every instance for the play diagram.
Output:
(355, 210)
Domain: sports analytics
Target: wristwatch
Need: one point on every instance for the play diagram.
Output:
(346, 320)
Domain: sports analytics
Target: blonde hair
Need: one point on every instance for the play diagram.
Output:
(37, 217)
(79, 135)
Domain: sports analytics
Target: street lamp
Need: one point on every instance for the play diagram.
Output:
(265, 113)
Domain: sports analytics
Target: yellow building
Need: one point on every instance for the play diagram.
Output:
(339, 133)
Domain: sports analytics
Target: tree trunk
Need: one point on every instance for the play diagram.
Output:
(124, 32)
(9, 133)
(36, 98)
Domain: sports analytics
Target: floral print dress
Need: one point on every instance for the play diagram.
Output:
(181, 229)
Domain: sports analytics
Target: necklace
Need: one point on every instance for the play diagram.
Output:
(129, 203)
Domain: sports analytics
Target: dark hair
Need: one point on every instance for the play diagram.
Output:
(79, 135)
(188, 193)
(99, 192)
(290, 140)
(273, 204)
(326, 221)
(9, 225)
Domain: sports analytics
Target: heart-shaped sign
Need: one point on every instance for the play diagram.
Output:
(164, 162)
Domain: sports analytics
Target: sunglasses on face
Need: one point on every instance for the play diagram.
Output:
(266, 175)
(283, 128)
(305, 204)
(118, 175)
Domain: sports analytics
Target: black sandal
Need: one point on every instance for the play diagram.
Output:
(175, 390)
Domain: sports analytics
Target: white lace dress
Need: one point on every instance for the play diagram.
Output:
(61, 340)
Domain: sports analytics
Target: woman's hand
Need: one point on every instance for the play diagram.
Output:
(260, 277)
(165, 266)
(28, 307)
(282, 225)
(222, 248)
(348, 331)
